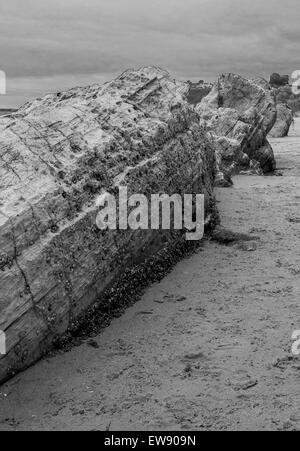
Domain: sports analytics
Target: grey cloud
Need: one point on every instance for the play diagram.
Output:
(191, 38)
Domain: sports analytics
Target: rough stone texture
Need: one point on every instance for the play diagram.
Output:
(279, 80)
(197, 91)
(283, 122)
(281, 95)
(56, 155)
(262, 82)
(239, 114)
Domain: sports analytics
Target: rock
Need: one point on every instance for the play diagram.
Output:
(93, 344)
(244, 385)
(227, 237)
(284, 113)
(283, 122)
(265, 157)
(247, 247)
(58, 154)
(223, 180)
(197, 91)
(283, 93)
(239, 114)
(262, 82)
(279, 80)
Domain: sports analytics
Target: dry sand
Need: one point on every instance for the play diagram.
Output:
(208, 348)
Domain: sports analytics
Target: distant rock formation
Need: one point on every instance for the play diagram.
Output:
(277, 80)
(283, 93)
(284, 113)
(239, 113)
(283, 122)
(284, 98)
(57, 155)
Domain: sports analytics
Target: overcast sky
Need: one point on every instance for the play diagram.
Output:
(51, 45)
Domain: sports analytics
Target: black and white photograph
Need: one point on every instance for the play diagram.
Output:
(149, 218)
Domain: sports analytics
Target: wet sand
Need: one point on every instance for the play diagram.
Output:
(208, 348)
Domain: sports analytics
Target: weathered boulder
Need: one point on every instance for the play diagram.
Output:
(239, 113)
(197, 91)
(279, 80)
(282, 94)
(57, 154)
(283, 122)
